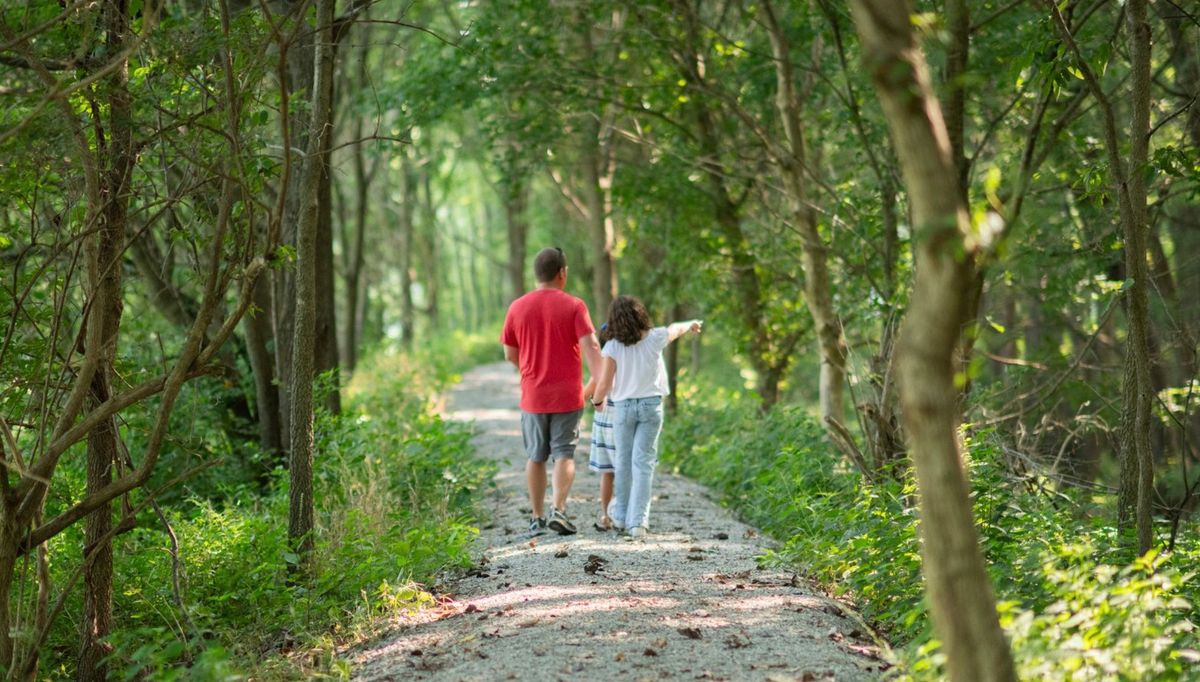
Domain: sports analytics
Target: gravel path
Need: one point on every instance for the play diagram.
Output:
(687, 603)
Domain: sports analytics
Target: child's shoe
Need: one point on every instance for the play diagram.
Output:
(603, 523)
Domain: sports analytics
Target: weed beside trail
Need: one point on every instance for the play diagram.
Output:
(397, 491)
(1073, 609)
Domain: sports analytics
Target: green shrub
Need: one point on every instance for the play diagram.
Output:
(397, 491)
(1072, 609)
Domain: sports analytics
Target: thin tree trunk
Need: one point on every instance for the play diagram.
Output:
(432, 253)
(300, 503)
(746, 283)
(408, 200)
(1135, 259)
(257, 330)
(515, 200)
(354, 267)
(818, 294)
(326, 346)
(959, 591)
(105, 272)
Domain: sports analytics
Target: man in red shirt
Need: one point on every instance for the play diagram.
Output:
(544, 333)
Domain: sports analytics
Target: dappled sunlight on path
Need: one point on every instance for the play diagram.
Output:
(689, 602)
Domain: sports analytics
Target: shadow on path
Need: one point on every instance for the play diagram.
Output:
(689, 602)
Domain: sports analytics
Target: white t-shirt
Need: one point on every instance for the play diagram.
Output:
(641, 372)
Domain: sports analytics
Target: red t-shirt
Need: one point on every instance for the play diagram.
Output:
(545, 326)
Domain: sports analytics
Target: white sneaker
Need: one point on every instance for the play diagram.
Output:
(637, 532)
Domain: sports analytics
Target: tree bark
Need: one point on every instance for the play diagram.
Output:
(818, 294)
(257, 330)
(959, 591)
(1136, 226)
(1129, 185)
(301, 524)
(516, 196)
(408, 201)
(106, 306)
(747, 288)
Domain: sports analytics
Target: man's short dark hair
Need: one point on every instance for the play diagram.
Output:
(548, 263)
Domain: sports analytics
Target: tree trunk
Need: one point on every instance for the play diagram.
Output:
(300, 498)
(516, 196)
(678, 312)
(408, 201)
(959, 591)
(1136, 224)
(266, 393)
(103, 323)
(354, 265)
(432, 252)
(746, 284)
(818, 295)
(1184, 214)
(326, 341)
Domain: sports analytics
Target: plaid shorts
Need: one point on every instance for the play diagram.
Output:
(603, 445)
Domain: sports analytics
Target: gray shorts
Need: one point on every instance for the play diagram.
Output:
(551, 435)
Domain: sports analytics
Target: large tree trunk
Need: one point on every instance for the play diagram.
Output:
(959, 592)
(300, 503)
(818, 295)
(105, 270)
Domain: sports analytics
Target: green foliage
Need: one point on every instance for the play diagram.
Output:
(396, 489)
(1072, 610)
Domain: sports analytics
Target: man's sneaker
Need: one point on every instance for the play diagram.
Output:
(559, 523)
(537, 526)
(637, 533)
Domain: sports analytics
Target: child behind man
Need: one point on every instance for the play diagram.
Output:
(603, 447)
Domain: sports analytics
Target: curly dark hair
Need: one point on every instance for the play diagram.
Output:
(628, 320)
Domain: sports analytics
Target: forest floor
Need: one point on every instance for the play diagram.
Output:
(687, 602)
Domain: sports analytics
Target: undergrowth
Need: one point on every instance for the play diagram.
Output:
(397, 492)
(1073, 608)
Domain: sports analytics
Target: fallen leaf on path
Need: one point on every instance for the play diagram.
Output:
(594, 563)
(561, 554)
(619, 657)
(649, 652)
(737, 641)
(660, 643)
(471, 608)
(751, 533)
(690, 633)
(722, 536)
(533, 543)
(695, 557)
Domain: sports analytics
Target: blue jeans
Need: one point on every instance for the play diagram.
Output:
(636, 426)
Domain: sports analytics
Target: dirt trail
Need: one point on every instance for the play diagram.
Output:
(687, 603)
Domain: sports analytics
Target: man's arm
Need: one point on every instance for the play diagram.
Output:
(591, 353)
(512, 355)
